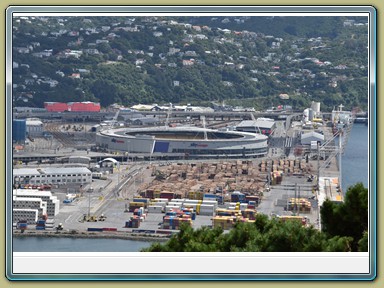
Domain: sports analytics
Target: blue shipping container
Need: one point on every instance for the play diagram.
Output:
(141, 200)
(210, 196)
(95, 229)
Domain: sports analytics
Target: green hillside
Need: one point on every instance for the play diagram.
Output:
(243, 60)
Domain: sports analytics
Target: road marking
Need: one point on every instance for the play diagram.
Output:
(66, 220)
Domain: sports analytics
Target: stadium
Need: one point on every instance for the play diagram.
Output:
(183, 141)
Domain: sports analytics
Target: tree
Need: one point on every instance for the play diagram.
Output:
(263, 235)
(349, 218)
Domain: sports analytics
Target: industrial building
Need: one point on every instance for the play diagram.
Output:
(52, 203)
(262, 126)
(34, 127)
(52, 175)
(308, 138)
(72, 106)
(19, 131)
(25, 208)
(183, 140)
(29, 215)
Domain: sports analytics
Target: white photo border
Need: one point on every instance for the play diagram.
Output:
(51, 269)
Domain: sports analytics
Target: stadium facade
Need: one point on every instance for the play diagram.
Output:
(188, 141)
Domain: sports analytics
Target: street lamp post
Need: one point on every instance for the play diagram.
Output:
(89, 201)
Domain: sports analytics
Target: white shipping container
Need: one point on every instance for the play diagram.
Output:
(207, 206)
(178, 200)
(175, 204)
(161, 200)
(155, 209)
(191, 201)
(193, 206)
(169, 208)
(207, 209)
(207, 212)
(162, 204)
(212, 202)
(230, 204)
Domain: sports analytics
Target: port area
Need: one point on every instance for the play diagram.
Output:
(111, 196)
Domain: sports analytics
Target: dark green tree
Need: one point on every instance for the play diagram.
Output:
(263, 235)
(349, 218)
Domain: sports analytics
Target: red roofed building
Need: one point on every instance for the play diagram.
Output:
(55, 106)
(84, 107)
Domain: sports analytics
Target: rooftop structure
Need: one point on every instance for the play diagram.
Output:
(307, 138)
(262, 126)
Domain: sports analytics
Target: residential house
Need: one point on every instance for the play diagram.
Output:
(22, 50)
(188, 62)
(75, 76)
(99, 41)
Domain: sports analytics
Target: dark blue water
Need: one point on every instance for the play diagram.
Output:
(354, 169)
(355, 159)
(41, 244)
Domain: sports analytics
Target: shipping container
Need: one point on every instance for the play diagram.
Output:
(171, 208)
(207, 209)
(191, 201)
(141, 200)
(155, 209)
(109, 229)
(161, 200)
(167, 195)
(95, 229)
(236, 196)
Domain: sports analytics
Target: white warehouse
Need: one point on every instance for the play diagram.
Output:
(52, 203)
(52, 175)
(29, 215)
(30, 203)
(309, 137)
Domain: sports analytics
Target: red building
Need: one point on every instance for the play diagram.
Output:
(84, 107)
(55, 106)
(72, 106)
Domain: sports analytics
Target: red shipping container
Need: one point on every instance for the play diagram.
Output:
(168, 195)
(109, 229)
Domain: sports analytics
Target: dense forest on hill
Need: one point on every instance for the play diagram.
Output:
(242, 60)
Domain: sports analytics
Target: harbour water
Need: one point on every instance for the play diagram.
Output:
(354, 169)
(355, 159)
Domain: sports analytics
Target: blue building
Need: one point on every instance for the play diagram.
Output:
(19, 130)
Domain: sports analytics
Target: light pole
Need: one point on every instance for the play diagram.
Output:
(90, 190)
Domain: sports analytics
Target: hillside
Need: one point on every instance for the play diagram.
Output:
(246, 61)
